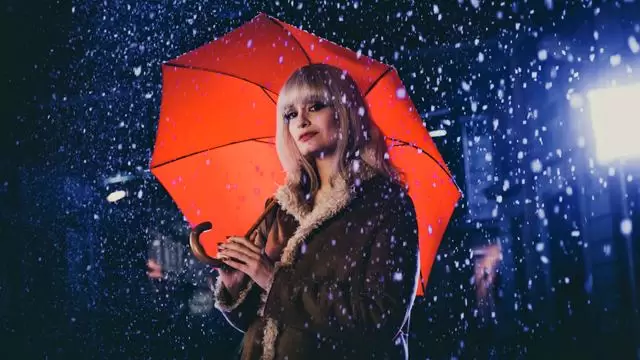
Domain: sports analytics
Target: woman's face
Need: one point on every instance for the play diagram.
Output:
(312, 125)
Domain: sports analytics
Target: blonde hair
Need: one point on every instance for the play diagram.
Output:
(363, 140)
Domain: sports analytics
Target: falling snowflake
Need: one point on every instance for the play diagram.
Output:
(626, 227)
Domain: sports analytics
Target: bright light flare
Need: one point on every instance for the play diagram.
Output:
(116, 195)
(438, 133)
(615, 117)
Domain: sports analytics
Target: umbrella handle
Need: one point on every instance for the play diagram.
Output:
(198, 250)
(196, 247)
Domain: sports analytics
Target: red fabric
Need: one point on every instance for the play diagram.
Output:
(215, 152)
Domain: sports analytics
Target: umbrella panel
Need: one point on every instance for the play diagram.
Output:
(202, 110)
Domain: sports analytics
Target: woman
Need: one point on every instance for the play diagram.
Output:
(343, 236)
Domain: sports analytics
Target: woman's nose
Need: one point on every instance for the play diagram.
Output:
(304, 121)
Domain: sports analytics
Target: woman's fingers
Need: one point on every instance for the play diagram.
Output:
(244, 242)
(254, 237)
(239, 252)
(236, 265)
(257, 239)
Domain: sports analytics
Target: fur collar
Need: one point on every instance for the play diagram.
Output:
(342, 191)
(327, 206)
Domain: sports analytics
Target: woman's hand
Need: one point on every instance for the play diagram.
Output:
(243, 255)
(231, 277)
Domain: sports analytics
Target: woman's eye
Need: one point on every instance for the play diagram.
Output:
(317, 106)
(289, 116)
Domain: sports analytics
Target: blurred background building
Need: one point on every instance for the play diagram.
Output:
(540, 259)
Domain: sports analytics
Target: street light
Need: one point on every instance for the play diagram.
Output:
(615, 118)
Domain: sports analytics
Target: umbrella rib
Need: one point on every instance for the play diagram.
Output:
(404, 143)
(269, 96)
(294, 39)
(263, 142)
(258, 139)
(219, 72)
(377, 81)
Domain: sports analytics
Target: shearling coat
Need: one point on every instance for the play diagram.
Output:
(346, 279)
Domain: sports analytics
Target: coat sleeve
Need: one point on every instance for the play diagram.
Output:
(239, 312)
(373, 304)
(242, 310)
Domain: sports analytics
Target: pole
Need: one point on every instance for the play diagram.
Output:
(635, 332)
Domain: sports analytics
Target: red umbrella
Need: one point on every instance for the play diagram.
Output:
(215, 151)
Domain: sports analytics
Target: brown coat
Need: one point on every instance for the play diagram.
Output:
(345, 282)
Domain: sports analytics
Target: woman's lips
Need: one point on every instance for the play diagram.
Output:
(307, 136)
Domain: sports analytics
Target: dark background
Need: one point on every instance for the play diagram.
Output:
(80, 106)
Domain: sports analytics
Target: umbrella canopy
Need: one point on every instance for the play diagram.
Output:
(215, 147)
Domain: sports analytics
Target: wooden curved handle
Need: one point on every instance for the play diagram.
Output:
(198, 250)
(196, 247)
